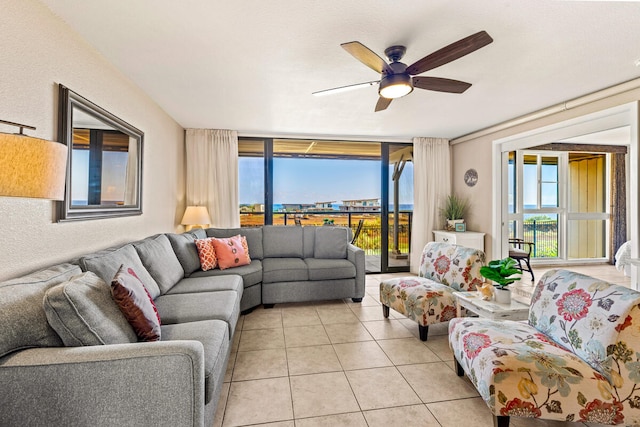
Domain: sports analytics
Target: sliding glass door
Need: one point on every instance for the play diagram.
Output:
(367, 186)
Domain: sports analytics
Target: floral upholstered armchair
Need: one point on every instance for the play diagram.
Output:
(577, 359)
(428, 298)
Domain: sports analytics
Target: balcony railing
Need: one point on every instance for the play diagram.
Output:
(370, 238)
(544, 234)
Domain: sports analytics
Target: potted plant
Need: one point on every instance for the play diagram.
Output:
(453, 211)
(502, 273)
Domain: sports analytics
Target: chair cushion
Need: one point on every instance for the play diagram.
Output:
(214, 336)
(452, 265)
(160, 260)
(284, 270)
(422, 300)
(107, 263)
(83, 312)
(330, 269)
(331, 242)
(282, 241)
(518, 371)
(519, 253)
(581, 313)
(22, 316)
(185, 249)
(181, 308)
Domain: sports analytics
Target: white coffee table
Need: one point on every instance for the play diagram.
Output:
(473, 302)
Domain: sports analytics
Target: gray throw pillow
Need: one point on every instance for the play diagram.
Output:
(185, 249)
(107, 264)
(24, 322)
(83, 312)
(160, 260)
(331, 242)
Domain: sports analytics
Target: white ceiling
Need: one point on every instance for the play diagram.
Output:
(251, 65)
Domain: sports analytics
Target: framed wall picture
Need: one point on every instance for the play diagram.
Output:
(461, 226)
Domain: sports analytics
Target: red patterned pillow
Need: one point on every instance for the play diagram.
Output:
(136, 304)
(206, 253)
(232, 252)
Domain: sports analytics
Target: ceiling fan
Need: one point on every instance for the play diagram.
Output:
(398, 79)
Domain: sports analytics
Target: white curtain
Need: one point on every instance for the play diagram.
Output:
(431, 184)
(212, 174)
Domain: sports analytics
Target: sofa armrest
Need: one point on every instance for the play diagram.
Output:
(159, 383)
(356, 256)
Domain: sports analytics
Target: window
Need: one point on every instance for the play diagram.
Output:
(296, 182)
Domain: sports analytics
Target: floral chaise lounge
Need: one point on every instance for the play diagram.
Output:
(577, 359)
(428, 298)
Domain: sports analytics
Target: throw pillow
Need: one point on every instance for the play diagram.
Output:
(206, 253)
(232, 252)
(136, 304)
(83, 312)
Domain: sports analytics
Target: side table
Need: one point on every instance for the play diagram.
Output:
(473, 302)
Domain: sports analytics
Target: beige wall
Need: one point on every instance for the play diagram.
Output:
(38, 52)
(477, 153)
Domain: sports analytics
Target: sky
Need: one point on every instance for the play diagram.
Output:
(317, 180)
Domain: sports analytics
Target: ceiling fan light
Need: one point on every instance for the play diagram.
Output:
(395, 86)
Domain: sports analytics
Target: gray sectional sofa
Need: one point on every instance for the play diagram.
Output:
(68, 358)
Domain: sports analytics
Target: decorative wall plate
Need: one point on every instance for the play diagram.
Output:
(471, 177)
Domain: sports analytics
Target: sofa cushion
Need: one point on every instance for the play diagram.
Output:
(331, 242)
(282, 242)
(254, 237)
(308, 240)
(180, 308)
(82, 312)
(160, 260)
(229, 282)
(214, 336)
(185, 249)
(24, 322)
(107, 264)
(330, 269)
(284, 270)
(251, 274)
(136, 304)
(231, 251)
(206, 253)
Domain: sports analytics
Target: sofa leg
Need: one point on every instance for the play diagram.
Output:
(247, 311)
(500, 421)
(268, 305)
(385, 311)
(356, 299)
(424, 332)
(459, 370)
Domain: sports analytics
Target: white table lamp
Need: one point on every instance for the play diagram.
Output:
(196, 217)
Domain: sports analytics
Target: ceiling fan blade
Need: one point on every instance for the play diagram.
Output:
(450, 53)
(367, 57)
(344, 88)
(383, 103)
(440, 85)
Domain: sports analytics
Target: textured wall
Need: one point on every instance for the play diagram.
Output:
(38, 52)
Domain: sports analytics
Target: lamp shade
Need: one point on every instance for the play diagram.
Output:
(32, 167)
(196, 215)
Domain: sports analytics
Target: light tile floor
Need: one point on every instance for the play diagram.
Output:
(337, 363)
